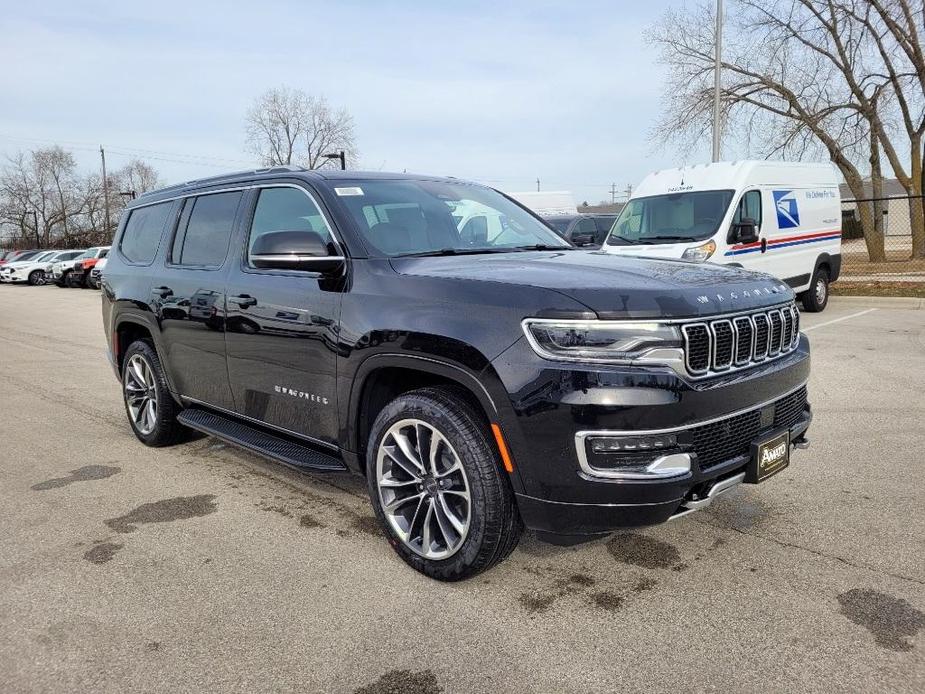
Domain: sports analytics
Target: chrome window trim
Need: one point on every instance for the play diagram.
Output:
(582, 436)
(251, 186)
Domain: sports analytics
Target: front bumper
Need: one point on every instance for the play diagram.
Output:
(560, 407)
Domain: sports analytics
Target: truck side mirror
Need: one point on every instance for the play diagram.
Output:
(583, 240)
(295, 250)
(746, 231)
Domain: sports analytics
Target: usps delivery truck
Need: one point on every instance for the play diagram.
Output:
(783, 218)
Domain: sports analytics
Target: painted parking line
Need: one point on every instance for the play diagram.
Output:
(838, 320)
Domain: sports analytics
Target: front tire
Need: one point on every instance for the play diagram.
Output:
(36, 278)
(437, 486)
(816, 297)
(152, 411)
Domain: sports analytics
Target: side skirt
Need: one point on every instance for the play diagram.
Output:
(276, 447)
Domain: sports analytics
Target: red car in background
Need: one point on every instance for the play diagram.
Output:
(79, 275)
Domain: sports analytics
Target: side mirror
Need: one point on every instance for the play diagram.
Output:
(294, 250)
(745, 231)
(583, 240)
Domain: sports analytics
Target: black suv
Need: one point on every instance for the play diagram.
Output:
(483, 377)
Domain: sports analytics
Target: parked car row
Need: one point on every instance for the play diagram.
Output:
(66, 268)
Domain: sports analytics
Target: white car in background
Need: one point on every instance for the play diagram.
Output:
(61, 269)
(96, 274)
(35, 270)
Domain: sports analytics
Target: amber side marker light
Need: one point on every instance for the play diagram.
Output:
(502, 446)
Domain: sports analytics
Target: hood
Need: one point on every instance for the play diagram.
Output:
(615, 286)
(23, 263)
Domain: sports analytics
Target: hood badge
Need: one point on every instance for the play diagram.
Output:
(745, 293)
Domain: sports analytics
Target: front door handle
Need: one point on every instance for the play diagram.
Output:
(243, 300)
(162, 292)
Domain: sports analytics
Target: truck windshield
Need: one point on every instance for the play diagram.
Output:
(672, 218)
(408, 218)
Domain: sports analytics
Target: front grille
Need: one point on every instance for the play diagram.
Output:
(717, 442)
(697, 347)
(740, 341)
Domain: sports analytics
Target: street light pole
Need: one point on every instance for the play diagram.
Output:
(717, 71)
(35, 223)
(105, 192)
(338, 155)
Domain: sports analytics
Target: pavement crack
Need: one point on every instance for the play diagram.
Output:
(816, 552)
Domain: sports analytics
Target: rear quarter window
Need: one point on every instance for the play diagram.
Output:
(143, 231)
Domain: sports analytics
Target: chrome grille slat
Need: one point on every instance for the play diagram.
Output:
(745, 340)
(723, 344)
(739, 341)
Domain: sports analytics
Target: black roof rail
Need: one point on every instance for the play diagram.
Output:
(281, 168)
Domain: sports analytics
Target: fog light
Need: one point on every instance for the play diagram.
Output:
(633, 444)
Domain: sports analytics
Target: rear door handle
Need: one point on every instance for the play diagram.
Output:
(162, 292)
(243, 300)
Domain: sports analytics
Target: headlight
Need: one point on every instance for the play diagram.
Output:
(614, 341)
(700, 253)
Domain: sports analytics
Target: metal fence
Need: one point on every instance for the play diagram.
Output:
(886, 252)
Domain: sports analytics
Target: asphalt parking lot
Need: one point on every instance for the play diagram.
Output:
(200, 567)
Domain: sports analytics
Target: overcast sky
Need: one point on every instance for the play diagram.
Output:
(501, 92)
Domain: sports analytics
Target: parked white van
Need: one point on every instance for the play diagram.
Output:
(783, 218)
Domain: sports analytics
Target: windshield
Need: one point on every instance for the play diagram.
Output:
(89, 253)
(404, 217)
(673, 218)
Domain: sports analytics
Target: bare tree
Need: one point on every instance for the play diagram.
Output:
(288, 126)
(46, 201)
(800, 78)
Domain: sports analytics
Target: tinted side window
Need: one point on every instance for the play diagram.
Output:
(205, 229)
(286, 209)
(143, 231)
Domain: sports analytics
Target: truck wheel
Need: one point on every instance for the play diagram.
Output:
(36, 278)
(152, 411)
(817, 296)
(437, 486)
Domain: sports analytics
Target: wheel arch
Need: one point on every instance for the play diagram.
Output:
(128, 329)
(383, 377)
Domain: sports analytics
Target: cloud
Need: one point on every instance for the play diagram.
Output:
(502, 92)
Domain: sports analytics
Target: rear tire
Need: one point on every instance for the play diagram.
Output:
(151, 410)
(816, 298)
(455, 514)
(62, 281)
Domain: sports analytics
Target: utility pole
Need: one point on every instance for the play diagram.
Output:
(629, 191)
(105, 192)
(35, 225)
(613, 193)
(717, 71)
(537, 185)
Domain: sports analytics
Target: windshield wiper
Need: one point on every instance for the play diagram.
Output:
(679, 239)
(622, 238)
(544, 247)
(451, 251)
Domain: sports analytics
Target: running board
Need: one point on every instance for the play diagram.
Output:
(273, 446)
